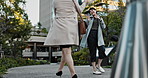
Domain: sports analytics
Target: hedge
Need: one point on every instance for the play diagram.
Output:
(6, 63)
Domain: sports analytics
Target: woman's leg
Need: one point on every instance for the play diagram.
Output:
(94, 66)
(92, 45)
(101, 57)
(99, 62)
(99, 66)
(62, 63)
(68, 59)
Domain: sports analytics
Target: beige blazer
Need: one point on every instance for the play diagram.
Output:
(65, 24)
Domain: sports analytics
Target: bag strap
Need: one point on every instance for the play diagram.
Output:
(78, 10)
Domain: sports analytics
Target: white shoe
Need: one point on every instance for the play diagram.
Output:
(97, 72)
(101, 69)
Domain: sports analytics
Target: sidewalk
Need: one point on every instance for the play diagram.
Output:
(48, 71)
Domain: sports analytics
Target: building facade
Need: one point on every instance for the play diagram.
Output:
(37, 50)
(46, 13)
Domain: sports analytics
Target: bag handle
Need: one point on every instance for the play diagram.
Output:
(78, 11)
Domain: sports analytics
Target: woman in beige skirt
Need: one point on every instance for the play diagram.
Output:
(64, 31)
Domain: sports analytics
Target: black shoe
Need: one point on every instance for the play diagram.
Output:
(75, 76)
(59, 73)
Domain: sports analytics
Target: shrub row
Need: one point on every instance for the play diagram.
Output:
(81, 57)
(6, 63)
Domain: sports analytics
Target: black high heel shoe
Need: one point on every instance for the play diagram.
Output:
(59, 73)
(75, 76)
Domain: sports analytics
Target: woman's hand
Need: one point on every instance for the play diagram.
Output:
(86, 1)
(89, 1)
(96, 16)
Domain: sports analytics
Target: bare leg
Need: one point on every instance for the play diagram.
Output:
(99, 62)
(99, 66)
(94, 66)
(69, 60)
(62, 63)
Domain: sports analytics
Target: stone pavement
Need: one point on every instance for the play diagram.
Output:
(48, 71)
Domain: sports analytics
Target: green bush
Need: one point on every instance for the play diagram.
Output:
(37, 63)
(44, 62)
(2, 69)
(6, 63)
(81, 57)
(59, 59)
(21, 61)
(31, 62)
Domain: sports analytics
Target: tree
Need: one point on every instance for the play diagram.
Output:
(15, 27)
(39, 30)
(114, 21)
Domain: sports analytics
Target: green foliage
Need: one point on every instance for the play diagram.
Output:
(15, 27)
(112, 57)
(81, 57)
(6, 63)
(44, 30)
(43, 62)
(30, 62)
(59, 59)
(107, 66)
(113, 21)
(39, 25)
(21, 61)
(2, 69)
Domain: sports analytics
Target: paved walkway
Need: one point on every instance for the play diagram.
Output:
(48, 71)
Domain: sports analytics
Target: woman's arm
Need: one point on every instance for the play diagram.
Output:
(102, 23)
